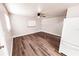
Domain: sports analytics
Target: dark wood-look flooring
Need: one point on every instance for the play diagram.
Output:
(38, 44)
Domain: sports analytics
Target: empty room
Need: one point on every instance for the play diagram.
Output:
(39, 29)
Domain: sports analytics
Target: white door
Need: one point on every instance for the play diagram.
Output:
(3, 48)
(69, 44)
(71, 30)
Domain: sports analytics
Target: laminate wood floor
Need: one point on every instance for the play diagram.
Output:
(38, 44)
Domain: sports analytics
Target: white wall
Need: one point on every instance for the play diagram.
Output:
(20, 27)
(73, 12)
(53, 25)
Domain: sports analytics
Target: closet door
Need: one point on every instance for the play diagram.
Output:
(71, 31)
(3, 47)
(69, 44)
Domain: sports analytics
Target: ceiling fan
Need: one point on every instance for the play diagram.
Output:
(39, 13)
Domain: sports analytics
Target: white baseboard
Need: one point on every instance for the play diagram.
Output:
(33, 33)
(22, 34)
(51, 33)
